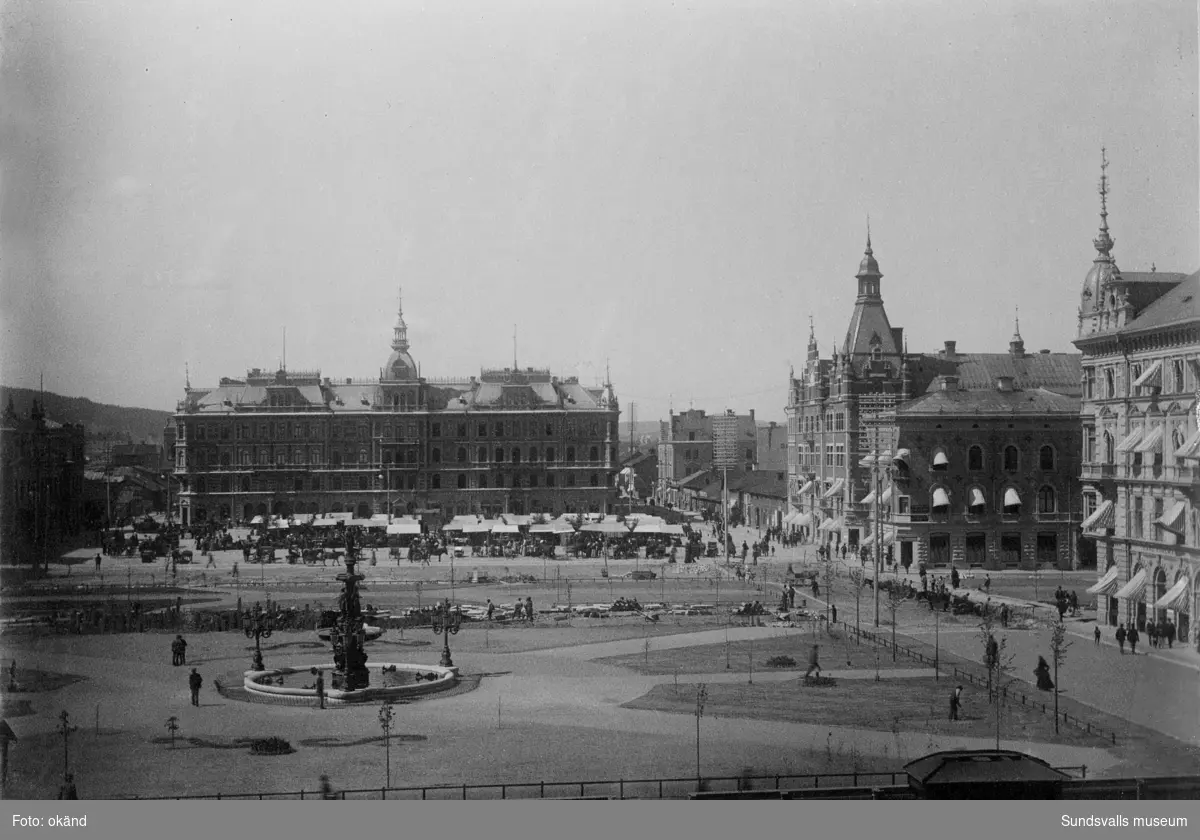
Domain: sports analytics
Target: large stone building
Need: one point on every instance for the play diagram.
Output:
(1140, 337)
(850, 416)
(686, 447)
(284, 442)
(41, 464)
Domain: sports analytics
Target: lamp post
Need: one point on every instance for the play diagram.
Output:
(259, 627)
(386, 716)
(385, 476)
(65, 729)
(446, 621)
(701, 697)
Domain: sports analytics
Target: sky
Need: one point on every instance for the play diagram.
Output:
(664, 190)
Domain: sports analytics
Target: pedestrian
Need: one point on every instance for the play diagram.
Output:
(529, 609)
(1074, 603)
(954, 579)
(194, 683)
(235, 571)
(955, 702)
(987, 583)
(1121, 638)
(814, 663)
(517, 607)
(491, 608)
(1133, 636)
(212, 561)
(68, 791)
(1170, 634)
(326, 788)
(1096, 635)
(791, 596)
(833, 611)
(1004, 615)
(1042, 672)
(320, 687)
(1152, 633)
(97, 563)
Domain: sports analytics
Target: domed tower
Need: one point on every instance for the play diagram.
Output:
(400, 365)
(870, 337)
(1104, 266)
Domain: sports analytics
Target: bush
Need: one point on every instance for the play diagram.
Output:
(781, 661)
(271, 746)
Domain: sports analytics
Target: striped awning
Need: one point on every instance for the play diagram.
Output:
(807, 488)
(1103, 517)
(1133, 590)
(1130, 440)
(404, 526)
(1012, 498)
(887, 537)
(835, 489)
(1190, 448)
(1172, 520)
(1107, 584)
(1152, 376)
(872, 460)
(868, 499)
(1176, 597)
(803, 520)
(1151, 442)
(830, 525)
(887, 496)
(940, 498)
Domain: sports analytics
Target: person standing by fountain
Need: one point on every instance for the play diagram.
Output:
(529, 609)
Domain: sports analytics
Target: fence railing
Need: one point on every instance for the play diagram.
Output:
(971, 675)
(681, 787)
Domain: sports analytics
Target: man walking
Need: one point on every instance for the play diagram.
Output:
(529, 609)
(491, 608)
(814, 663)
(1096, 635)
(194, 683)
(1133, 636)
(1121, 638)
(320, 687)
(955, 702)
(97, 564)
(833, 612)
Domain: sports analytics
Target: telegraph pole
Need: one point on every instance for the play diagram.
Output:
(878, 536)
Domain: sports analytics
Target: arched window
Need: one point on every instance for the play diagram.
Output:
(1046, 500)
(595, 480)
(435, 456)
(498, 455)
(594, 454)
(570, 454)
(462, 481)
(481, 454)
(412, 458)
(516, 455)
(483, 482)
(549, 454)
(975, 458)
(462, 454)
(436, 482)
(335, 458)
(1110, 383)
(1012, 460)
(362, 456)
(1110, 449)
(1046, 459)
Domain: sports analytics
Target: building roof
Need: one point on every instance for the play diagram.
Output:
(1058, 372)
(992, 401)
(1179, 305)
(693, 479)
(762, 483)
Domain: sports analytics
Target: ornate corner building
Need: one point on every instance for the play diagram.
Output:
(955, 458)
(291, 442)
(1139, 333)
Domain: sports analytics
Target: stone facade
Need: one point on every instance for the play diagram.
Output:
(685, 447)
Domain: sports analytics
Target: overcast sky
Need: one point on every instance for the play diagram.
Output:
(672, 187)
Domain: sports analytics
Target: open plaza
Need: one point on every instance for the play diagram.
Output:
(581, 694)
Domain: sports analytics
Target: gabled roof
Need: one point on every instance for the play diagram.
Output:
(992, 401)
(1058, 372)
(869, 326)
(693, 479)
(762, 483)
(1179, 305)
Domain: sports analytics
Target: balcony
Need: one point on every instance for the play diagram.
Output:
(1099, 471)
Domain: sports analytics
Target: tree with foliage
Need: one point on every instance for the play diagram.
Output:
(1058, 654)
(895, 597)
(828, 574)
(858, 578)
(997, 661)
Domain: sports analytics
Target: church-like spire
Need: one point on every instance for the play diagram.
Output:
(814, 352)
(400, 331)
(1103, 242)
(1016, 346)
(868, 271)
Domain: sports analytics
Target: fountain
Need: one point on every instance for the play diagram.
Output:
(351, 682)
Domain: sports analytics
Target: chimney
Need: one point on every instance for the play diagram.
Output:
(950, 355)
(950, 383)
(1004, 383)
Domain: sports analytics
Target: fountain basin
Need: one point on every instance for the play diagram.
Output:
(398, 682)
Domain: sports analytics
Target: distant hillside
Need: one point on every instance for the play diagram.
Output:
(118, 422)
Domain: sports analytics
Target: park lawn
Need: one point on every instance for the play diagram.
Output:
(888, 705)
(836, 652)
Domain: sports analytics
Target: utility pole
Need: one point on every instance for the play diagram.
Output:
(878, 536)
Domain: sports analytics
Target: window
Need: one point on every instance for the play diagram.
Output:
(335, 458)
(749, 454)
(1110, 383)
(516, 455)
(436, 430)
(1138, 518)
(570, 454)
(481, 454)
(482, 430)
(903, 504)
(595, 480)
(435, 456)
(550, 478)
(975, 458)
(533, 480)
(436, 481)
(1046, 500)
(1012, 460)
(462, 481)
(549, 429)
(1089, 383)
(594, 454)
(483, 482)
(316, 483)
(1177, 443)
(412, 457)
(839, 454)
(1157, 514)
(462, 430)
(362, 456)
(1110, 449)
(498, 455)
(571, 480)
(500, 480)
(498, 429)
(362, 482)
(1046, 459)
(1177, 377)
(1089, 445)
(462, 454)
(533, 454)
(549, 454)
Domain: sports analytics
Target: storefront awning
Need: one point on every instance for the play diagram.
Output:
(605, 528)
(828, 525)
(324, 523)
(1152, 442)
(558, 526)
(1190, 448)
(1176, 597)
(834, 490)
(1107, 584)
(1133, 589)
(1151, 377)
(940, 498)
(902, 455)
(406, 526)
(802, 520)
(1101, 518)
(648, 528)
(505, 528)
(1012, 498)
(791, 517)
(872, 460)
(940, 459)
(479, 527)
(887, 496)
(977, 499)
(868, 499)
(1130, 440)
(1172, 520)
(675, 529)
(807, 488)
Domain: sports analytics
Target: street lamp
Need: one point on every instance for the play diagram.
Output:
(386, 477)
(446, 621)
(259, 627)
(386, 716)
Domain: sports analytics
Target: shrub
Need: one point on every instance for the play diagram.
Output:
(781, 661)
(271, 746)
